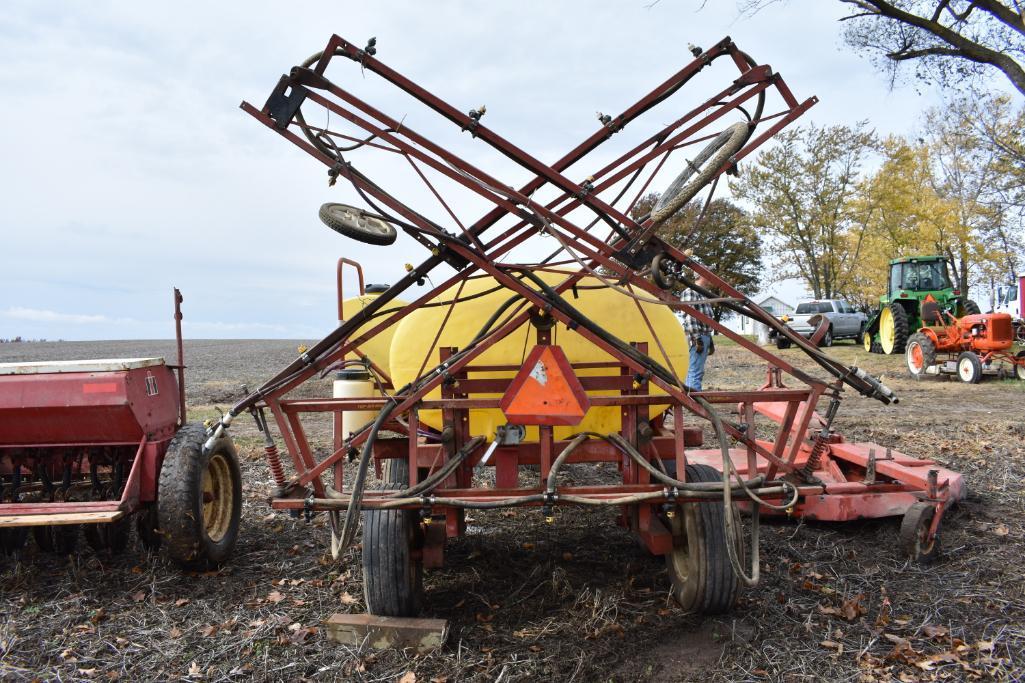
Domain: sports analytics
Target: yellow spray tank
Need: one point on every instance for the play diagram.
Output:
(614, 311)
(356, 382)
(378, 348)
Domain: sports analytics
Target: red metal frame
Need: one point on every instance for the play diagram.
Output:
(821, 466)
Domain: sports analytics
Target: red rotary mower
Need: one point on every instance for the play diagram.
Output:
(89, 446)
(970, 346)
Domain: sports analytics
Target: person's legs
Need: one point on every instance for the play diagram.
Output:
(696, 369)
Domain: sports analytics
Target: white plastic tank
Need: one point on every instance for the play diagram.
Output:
(354, 383)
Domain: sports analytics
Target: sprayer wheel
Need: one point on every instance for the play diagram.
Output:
(392, 562)
(199, 501)
(699, 563)
(914, 534)
(353, 222)
(702, 169)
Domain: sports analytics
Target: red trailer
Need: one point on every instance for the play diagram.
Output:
(88, 445)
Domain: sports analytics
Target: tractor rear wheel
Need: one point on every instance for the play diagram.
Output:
(199, 499)
(920, 354)
(1019, 366)
(970, 308)
(914, 534)
(893, 328)
(699, 562)
(392, 553)
(969, 367)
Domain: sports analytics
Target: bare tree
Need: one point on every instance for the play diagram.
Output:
(948, 41)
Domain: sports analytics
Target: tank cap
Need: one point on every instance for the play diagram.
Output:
(353, 374)
(375, 289)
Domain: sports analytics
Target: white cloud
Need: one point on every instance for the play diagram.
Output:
(38, 315)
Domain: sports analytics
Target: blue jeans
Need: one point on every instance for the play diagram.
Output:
(696, 371)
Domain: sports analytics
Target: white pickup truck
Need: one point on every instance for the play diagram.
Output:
(844, 321)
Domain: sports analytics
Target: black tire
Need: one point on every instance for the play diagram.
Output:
(969, 367)
(392, 562)
(61, 539)
(1019, 367)
(699, 564)
(702, 167)
(913, 531)
(199, 534)
(353, 222)
(970, 308)
(782, 343)
(926, 354)
(901, 328)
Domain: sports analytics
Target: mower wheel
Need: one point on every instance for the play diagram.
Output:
(392, 559)
(199, 500)
(969, 367)
(352, 222)
(893, 329)
(919, 355)
(699, 563)
(60, 539)
(782, 342)
(970, 308)
(914, 534)
(1019, 367)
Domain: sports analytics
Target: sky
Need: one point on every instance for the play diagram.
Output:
(128, 167)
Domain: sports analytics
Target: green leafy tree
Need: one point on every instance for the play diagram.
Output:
(803, 190)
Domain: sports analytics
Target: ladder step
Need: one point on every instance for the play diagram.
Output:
(60, 518)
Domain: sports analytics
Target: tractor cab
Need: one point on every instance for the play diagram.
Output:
(912, 280)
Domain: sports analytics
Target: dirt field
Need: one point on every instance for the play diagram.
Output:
(573, 601)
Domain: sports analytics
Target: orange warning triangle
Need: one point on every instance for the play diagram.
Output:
(545, 391)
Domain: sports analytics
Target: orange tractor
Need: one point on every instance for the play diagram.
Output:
(966, 346)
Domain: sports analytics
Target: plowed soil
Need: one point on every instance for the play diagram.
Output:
(576, 600)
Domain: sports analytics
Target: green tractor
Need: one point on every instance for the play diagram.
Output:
(911, 281)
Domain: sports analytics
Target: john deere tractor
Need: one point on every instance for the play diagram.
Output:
(911, 280)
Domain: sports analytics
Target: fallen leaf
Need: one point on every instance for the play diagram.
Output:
(347, 599)
(931, 631)
(275, 597)
(528, 546)
(175, 632)
(139, 597)
(929, 663)
(195, 671)
(208, 631)
(408, 677)
(181, 602)
(1001, 530)
(88, 673)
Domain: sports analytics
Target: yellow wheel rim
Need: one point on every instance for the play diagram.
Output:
(867, 341)
(218, 497)
(887, 332)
